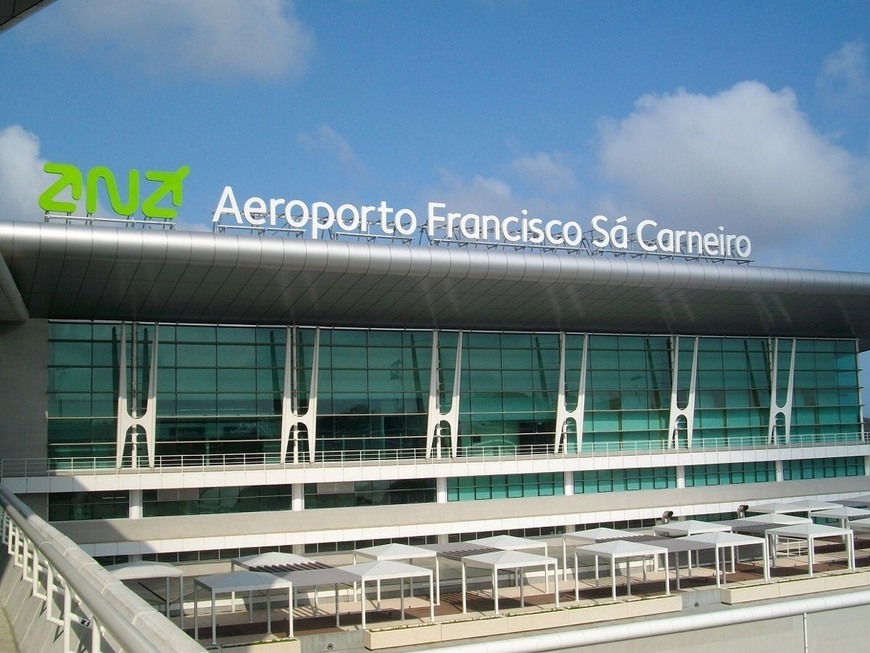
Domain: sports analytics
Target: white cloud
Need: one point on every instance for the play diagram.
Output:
(21, 176)
(746, 158)
(845, 78)
(258, 38)
(547, 172)
(325, 141)
(478, 195)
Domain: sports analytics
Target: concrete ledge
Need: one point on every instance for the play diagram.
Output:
(279, 646)
(517, 622)
(798, 587)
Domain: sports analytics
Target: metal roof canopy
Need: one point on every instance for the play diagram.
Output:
(316, 577)
(810, 532)
(591, 536)
(380, 570)
(614, 551)
(727, 540)
(242, 581)
(257, 561)
(143, 570)
(515, 559)
(103, 273)
(14, 11)
(402, 552)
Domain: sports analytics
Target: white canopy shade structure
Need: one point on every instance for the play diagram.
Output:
(591, 536)
(381, 570)
(689, 527)
(812, 505)
(727, 540)
(775, 518)
(856, 502)
(496, 561)
(334, 576)
(403, 552)
(810, 532)
(676, 546)
(781, 507)
(275, 559)
(792, 507)
(275, 562)
(615, 551)
(142, 570)
(842, 514)
(860, 525)
(242, 581)
(513, 543)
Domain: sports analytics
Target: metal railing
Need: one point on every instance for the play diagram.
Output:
(42, 467)
(78, 595)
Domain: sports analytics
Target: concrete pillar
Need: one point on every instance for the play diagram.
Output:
(135, 507)
(297, 501)
(569, 484)
(441, 489)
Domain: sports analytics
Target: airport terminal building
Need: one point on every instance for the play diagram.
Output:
(189, 395)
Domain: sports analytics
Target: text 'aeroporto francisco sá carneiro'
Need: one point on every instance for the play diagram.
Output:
(319, 218)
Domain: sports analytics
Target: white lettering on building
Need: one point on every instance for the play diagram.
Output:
(320, 219)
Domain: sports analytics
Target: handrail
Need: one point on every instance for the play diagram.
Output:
(127, 618)
(42, 467)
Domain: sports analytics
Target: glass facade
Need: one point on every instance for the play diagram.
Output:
(509, 386)
(369, 493)
(793, 470)
(219, 389)
(82, 389)
(71, 506)
(505, 486)
(730, 473)
(215, 500)
(628, 392)
(621, 480)
(372, 390)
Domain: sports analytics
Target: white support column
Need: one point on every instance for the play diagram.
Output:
(681, 476)
(866, 465)
(134, 511)
(436, 420)
(291, 417)
(568, 483)
(563, 413)
(778, 471)
(775, 408)
(297, 499)
(147, 422)
(441, 489)
(687, 412)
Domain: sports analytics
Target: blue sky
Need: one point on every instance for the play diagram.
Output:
(751, 115)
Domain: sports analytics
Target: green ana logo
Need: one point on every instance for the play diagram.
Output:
(169, 183)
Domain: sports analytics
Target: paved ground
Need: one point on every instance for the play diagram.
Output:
(7, 641)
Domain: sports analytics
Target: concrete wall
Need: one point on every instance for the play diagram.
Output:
(23, 402)
(373, 522)
(24, 378)
(836, 631)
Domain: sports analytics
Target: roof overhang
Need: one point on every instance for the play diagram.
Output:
(14, 11)
(101, 273)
